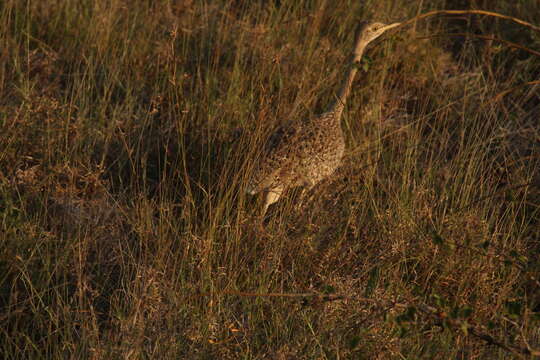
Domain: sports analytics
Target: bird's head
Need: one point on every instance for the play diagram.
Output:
(369, 31)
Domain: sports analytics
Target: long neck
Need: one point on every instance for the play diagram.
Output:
(345, 90)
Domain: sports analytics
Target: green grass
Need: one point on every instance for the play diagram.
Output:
(128, 130)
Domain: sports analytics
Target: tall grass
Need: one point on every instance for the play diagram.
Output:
(128, 130)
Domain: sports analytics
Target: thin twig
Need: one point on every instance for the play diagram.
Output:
(505, 92)
(432, 312)
(459, 325)
(473, 12)
(492, 195)
(485, 37)
(322, 297)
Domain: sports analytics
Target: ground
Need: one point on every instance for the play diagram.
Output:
(128, 132)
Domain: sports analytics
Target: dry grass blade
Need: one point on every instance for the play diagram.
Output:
(124, 222)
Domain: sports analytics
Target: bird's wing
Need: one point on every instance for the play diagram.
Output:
(280, 142)
(277, 157)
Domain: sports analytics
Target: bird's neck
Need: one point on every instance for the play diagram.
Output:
(337, 107)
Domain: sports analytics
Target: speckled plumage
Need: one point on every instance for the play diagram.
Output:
(304, 153)
(300, 155)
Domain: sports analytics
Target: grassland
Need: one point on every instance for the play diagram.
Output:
(128, 130)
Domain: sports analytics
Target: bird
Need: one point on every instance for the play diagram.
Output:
(302, 153)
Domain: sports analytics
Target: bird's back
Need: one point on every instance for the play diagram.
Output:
(302, 153)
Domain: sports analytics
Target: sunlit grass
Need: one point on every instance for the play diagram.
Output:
(128, 131)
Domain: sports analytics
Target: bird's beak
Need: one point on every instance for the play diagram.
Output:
(391, 26)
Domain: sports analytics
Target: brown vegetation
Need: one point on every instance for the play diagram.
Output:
(125, 230)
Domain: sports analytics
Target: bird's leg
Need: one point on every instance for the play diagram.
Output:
(302, 198)
(271, 197)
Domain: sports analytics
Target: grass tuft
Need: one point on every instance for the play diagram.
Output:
(129, 129)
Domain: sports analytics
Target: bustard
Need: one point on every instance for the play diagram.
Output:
(304, 153)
